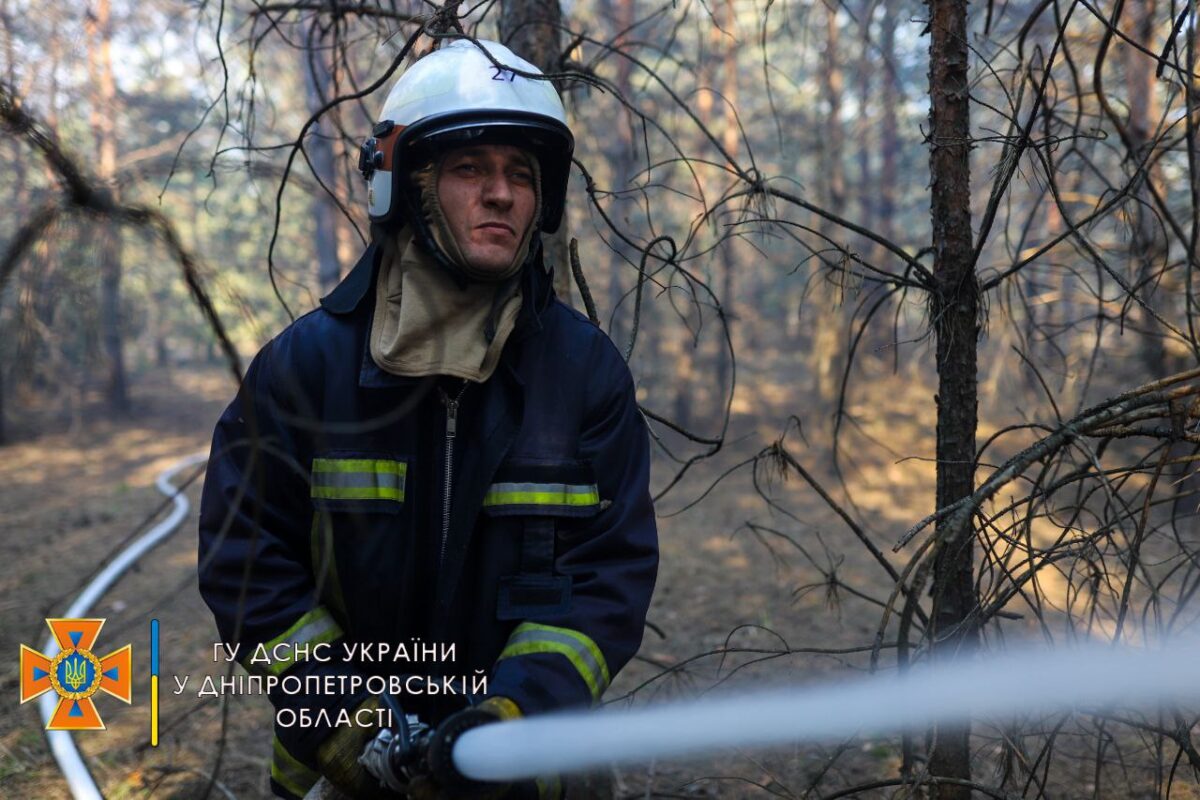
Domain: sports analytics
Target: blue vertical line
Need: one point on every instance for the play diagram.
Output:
(154, 647)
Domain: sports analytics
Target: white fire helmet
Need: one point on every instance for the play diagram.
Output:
(454, 97)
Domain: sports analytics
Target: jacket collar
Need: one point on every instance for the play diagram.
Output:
(348, 294)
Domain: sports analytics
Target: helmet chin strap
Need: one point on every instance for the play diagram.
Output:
(446, 248)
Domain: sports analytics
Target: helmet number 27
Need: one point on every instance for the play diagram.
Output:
(502, 74)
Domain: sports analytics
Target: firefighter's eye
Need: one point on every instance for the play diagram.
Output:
(465, 168)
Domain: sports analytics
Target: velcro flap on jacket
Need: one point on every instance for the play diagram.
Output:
(563, 489)
(358, 482)
(533, 596)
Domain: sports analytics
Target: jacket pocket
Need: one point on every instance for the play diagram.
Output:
(542, 500)
(358, 482)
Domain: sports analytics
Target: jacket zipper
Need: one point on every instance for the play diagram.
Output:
(451, 433)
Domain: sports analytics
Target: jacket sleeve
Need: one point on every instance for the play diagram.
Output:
(569, 659)
(254, 567)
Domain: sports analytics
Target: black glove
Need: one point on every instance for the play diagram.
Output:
(443, 779)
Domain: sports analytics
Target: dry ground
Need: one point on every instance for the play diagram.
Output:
(70, 498)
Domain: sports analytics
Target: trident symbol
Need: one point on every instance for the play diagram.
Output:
(76, 672)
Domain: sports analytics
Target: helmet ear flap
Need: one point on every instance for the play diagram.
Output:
(376, 160)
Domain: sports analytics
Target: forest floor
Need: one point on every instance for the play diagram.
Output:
(739, 581)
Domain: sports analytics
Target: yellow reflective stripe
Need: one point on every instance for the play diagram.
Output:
(530, 648)
(540, 499)
(541, 494)
(530, 637)
(359, 465)
(358, 479)
(314, 627)
(290, 773)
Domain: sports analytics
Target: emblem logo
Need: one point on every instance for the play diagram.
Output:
(75, 674)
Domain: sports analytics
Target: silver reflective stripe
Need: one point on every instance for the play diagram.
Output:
(345, 480)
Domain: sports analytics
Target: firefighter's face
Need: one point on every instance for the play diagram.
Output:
(488, 197)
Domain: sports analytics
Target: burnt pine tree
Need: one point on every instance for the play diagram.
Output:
(955, 315)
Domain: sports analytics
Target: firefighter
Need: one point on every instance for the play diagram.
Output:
(430, 495)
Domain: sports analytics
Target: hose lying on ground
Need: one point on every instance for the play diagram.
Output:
(62, 745)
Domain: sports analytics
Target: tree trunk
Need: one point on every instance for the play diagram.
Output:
(116, 388)
(868, 202)
(721, 51)
(621, 155)
(19, 170)
(345, 176)
(730, 135)
(38, 270)
(827, 354)
(3, 430)
(889, 136)
(956, 325)
(1147, 244)
(108, 238)
(318, 83)
(531, 28)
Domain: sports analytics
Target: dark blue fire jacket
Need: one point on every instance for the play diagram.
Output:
(354, 522)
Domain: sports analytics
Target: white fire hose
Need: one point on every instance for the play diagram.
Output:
(1016, 682)
(79, 779)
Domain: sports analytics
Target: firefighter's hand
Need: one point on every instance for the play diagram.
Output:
(338, 759)
(443, 779)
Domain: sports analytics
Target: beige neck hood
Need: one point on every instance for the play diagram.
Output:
(425, 324)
